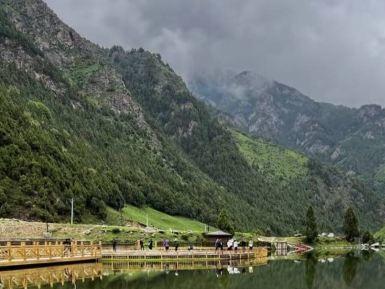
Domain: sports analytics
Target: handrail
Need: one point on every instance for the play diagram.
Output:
(49, 250)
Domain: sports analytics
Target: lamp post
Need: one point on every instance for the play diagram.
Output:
(45, 211)
(72, 211)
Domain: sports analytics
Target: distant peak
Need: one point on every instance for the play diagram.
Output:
(370, 110)
(251, 75)
(252, 79)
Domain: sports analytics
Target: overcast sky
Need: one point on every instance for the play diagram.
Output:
(331, 50)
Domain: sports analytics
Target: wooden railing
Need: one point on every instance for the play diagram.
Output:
(13, 251)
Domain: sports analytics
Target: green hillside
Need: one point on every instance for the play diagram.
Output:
(161, 220)
(297, 178)
(273, 160)
(380, 235)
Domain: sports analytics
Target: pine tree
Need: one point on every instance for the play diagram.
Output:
(311, 226)
(223, 222)
(367, 238)
(351, 225)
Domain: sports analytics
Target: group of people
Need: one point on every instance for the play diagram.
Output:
(150, 244)
(233, 244)
(166, 244)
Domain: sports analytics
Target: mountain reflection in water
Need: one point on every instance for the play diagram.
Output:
(354, 270)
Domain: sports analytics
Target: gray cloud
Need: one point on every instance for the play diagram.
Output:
(332, 50)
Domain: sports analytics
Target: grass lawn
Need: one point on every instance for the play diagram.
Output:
(161, 220)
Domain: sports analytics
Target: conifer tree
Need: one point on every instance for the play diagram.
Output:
(311, 226)
(351, 225)
(223, 222)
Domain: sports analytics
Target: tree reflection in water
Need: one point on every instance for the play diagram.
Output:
(349, 268)
(356, 270)
(310, 269)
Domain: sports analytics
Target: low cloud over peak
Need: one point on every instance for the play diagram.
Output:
(331, 50)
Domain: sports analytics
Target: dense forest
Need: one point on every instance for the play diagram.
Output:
(111, 127)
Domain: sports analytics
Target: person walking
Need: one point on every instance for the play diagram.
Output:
(236, 245)
(150, 244)
(243, 244)
(230, 244)
(176, 244)
(251, 245)
(114, 245)
(141, 244)
(166, 244)
(217, 245)
(67, 247)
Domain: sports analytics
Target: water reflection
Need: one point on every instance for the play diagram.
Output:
(51, 276)
(350, 267)
(231, 266)
(355, 270)
(310, 269)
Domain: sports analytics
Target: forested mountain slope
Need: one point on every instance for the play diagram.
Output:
(171, 108)
(71, 128)
(353, 139)
(111, 127)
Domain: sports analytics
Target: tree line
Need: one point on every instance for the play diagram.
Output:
(350, 228)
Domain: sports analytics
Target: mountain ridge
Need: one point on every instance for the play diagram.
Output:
(281, 113)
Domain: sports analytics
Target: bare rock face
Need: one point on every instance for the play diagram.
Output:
(50, 34)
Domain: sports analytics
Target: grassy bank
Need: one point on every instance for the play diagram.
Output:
(17, 229)
(155, 219)
(333, 246)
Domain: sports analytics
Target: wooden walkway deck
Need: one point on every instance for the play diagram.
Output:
(44, 253)
(16, 254)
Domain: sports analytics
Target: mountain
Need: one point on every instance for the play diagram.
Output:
(351, 138)
(216, 150)
(111, 127)
(70, 128)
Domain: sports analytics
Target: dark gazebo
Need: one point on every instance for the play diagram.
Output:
(211, 237)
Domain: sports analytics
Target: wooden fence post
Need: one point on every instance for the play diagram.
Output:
(73, 248)
(23, 251)
(50, 250)
(9, 251)
(37, 245)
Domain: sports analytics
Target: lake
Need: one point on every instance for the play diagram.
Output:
(354, 270)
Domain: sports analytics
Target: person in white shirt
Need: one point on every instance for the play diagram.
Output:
(236, 245)
(230, 244)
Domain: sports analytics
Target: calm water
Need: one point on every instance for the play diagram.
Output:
(352, 271)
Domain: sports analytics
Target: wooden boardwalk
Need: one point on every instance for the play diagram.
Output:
(31, 253)
(44, 253)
